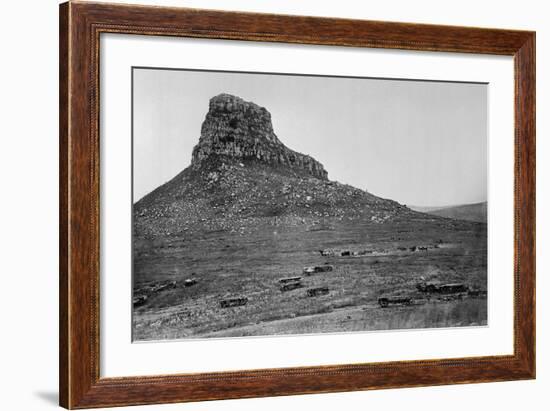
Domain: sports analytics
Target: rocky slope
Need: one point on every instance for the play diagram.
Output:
(241, 172)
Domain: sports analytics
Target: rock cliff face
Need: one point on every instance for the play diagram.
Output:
(243, 130)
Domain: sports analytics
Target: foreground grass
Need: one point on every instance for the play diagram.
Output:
(250, 262)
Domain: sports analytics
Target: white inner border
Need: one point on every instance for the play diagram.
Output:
(119, 357)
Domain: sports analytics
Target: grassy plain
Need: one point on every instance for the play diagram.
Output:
(249, 262)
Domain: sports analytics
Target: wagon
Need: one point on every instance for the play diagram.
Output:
(289, 279)
(314, 292)
(453, 288)
(397, 300)
(233, 302)
(189, 282)
(317, 269)
(438, 288)
(139, 300)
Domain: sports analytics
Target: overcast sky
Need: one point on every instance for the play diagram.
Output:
(419, 143)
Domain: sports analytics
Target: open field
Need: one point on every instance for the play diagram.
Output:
(249, 262)
(371, 317)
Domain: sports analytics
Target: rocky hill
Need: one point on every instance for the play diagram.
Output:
(241, 171)
(240, 129)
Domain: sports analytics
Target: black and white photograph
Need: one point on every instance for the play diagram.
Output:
(247, 205)
(269, 204)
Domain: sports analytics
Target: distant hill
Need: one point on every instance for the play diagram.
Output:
(469, 212)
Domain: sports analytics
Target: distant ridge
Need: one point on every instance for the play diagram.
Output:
(469, 212)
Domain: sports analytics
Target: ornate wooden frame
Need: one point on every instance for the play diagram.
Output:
(80, 27)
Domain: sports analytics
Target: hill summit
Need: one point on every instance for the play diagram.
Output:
(241, 175)
(243, 130)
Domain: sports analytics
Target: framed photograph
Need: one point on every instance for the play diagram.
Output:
(258, 205)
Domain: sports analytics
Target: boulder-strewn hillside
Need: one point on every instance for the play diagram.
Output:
(240, 171)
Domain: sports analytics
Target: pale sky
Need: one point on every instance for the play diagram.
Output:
(417, 142)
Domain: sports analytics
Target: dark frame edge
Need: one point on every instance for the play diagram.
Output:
(64, 397)
(525, 203)
(78, 364)
(79, 382)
